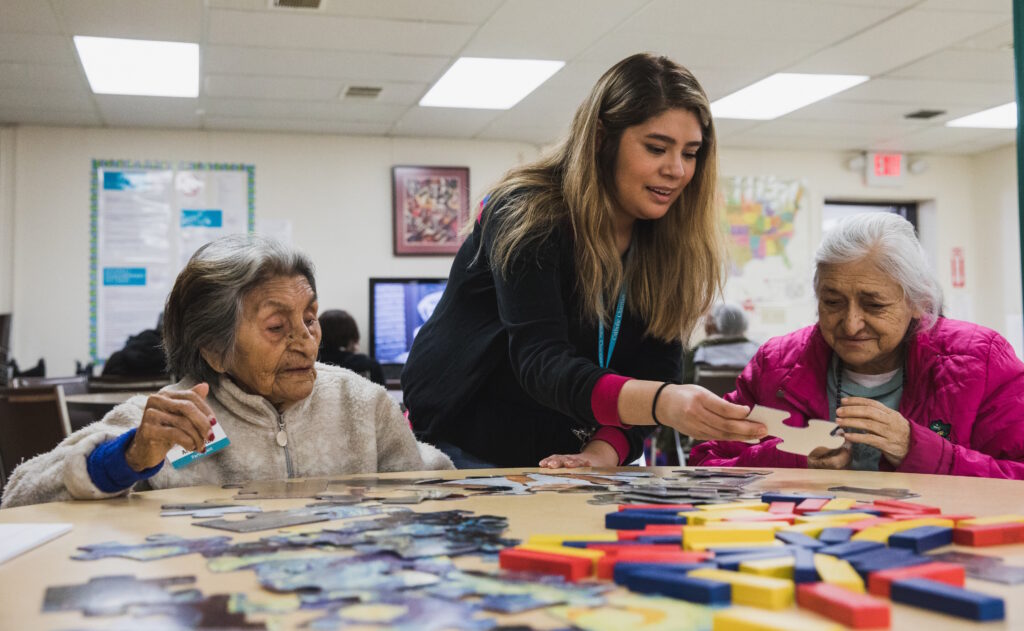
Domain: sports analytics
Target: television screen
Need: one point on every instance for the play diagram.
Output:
(398, 308)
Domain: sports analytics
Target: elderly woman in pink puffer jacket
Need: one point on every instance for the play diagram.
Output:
(912, 391)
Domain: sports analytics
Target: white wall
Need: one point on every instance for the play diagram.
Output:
(337, 192)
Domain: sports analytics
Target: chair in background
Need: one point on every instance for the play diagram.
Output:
(73, 384)
(33, 420)
(5, 347)
(109, 383)
(720, 381)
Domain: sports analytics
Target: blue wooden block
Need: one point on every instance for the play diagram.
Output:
(727, 551)
(638, 520)
(625, 568)
(676, 585)
(850, 548)
(803, 566)
(884, 559)
(922, 538)
(586, 544)
(732, 561)
(944, 598)
(768, 498)
(660, 539)
(834, 535)
(798, 539)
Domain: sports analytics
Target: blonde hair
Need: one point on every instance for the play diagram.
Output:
(675, 268)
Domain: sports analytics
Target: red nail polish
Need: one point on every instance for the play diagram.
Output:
(210, 437)
(213, 421)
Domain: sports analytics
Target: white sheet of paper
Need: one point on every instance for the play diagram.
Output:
(18, 538)
(796, 440)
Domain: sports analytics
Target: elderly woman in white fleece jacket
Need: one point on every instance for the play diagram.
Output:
(241, 330)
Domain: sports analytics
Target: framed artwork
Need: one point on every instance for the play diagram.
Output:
(431, 206)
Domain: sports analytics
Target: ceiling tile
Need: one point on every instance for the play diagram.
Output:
(248, 60)
(514, 31)
(40, 76)
(298, 88)
(903, 39)
(148, 111)
(930, 94)
(443, 121)
(34, 48)
(320, 110)
(27, 16)
(291, 30)
(957, 64)
(55, 100)
(38, 116)
(459, 11)
(165, 20)
(313, 126)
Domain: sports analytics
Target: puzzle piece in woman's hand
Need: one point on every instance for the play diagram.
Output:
(796, 440)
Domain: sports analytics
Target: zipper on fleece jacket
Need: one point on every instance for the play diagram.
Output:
(284, 444)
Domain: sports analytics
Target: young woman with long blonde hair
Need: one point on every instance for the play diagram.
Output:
(558, 338)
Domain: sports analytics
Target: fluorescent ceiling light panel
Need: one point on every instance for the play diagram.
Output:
(489, 84)
(1002, 117)
(140, 67)
(781, 94)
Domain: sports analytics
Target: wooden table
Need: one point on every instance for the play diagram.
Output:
(130, 520)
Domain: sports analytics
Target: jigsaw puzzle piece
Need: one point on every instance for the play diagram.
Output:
(796, 440)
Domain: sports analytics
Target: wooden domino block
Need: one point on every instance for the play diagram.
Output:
(955, 601)
(839, 503)
(748, 619)
(794, 497)
(779, 567)
(701, 537)
(837, 519)
(798, 539)
(678, 585)
(606, 565)
(988, 535)
(638, 520)
(883, 532)
(855, 610)
(677, 507)
(803, 566)
(838, 572)
(557, 540)
(730, 506)
(922, 538)
(568, 567)
(994, 519)
(652, 529)
(810, 505)
(857, 526)
(907, 506)
(732, 561)
(949, 573)
(835, 534)
(782, 508)
(583, 553)
(748, 589)
(624, 568)
(850, 548)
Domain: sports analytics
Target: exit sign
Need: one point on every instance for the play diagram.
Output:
(884, 169)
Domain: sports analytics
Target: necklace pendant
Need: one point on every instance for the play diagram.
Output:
(282, 438)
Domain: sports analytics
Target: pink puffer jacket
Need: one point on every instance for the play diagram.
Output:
(964, 398)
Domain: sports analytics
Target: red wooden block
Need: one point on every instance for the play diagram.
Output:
(951, 573)
(989, 534)
(570, 568)
(653, 506)
(810, 505)
(908, 506)
(837, 603)
(781, 508)
(652, 529)
(606, 564)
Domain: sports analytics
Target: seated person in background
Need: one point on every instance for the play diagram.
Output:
(240, 330)
(913, 391)
(725, 345)
(142, 355)
(340, 346)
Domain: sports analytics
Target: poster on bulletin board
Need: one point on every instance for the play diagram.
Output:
(147, 219)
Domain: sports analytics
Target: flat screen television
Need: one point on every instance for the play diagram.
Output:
(398, 308)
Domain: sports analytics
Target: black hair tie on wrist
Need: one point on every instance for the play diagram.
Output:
(654, 403)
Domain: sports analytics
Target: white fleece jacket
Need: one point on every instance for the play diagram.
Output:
(347, 425)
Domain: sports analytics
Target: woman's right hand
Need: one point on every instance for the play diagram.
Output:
(171, 418)
(699, 413)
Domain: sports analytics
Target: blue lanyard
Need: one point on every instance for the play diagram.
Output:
(602, 360)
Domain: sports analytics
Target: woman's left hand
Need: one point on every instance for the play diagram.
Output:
(885, 428)
(597, 453)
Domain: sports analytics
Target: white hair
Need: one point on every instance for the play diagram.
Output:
(888, 240)
(729, 319)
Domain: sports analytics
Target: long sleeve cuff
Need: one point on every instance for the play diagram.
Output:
(108, 466)
(604, 399)
(616, 438)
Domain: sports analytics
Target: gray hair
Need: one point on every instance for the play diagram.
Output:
(729, 320)
(889, 240)
(205, 304)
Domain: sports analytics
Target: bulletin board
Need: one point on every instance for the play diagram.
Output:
(147, 219)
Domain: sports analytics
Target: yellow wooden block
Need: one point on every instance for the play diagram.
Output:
(753, 505)
(781, 567)
(748, 619)
(811, 529)
(707, 535)
(839, 503)
(557, 540)
(881, 532)
(701, 518)
(749, 589)
(838, 572)
(995, 519)
(768, 525)
(842, 518)
(585, 553)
